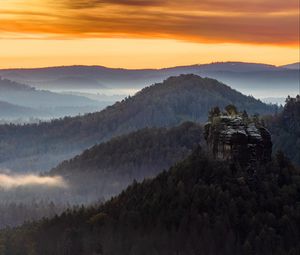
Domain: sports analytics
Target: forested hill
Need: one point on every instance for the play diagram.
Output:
(110, 167)
(177, 99)
(198, 207)
(285, 129)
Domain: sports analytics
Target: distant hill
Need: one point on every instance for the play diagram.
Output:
(44, 104)
(30, 97)
(176, 100)
(295, 66)
(239, 67)
(8, 110)
(110, 167)
(249, 78)
(199, 206)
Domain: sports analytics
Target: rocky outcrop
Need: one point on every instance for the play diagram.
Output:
(239, 138)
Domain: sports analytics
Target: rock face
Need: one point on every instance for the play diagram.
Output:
(240, 139)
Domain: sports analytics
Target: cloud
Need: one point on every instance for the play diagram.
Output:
(94, 3)
(220, 21)
(8, 181)
(204, 5)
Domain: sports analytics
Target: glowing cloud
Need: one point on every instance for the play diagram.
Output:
(258, 21)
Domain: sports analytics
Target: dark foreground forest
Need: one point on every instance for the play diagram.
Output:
(199, 206)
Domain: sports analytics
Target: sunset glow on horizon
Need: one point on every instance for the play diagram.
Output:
(147, 33)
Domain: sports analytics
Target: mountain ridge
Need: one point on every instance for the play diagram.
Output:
(218, 63)
(295, 65)
(238, 74)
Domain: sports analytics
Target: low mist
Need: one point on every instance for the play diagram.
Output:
(8, 181)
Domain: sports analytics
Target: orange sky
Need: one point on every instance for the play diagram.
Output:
(147, 33)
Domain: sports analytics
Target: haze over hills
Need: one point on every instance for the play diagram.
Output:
(100, 172)
(31, 97)
(274, 100)
(42, 103)
(184, 98)
(110, 167)
(11, 111)
(249, 78)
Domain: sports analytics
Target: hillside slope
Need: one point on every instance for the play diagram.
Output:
(100, 172)
(108, 168)
(285, 129)
(177, 99)
(198, 207)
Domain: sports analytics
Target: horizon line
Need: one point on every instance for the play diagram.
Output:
(136, 69)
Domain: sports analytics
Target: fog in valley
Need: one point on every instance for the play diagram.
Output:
(8, 182)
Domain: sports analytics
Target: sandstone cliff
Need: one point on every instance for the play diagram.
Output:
(235, 136)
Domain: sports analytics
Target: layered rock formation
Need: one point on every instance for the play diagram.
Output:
(234, 136)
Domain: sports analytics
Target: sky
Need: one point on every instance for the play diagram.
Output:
(147, 33)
